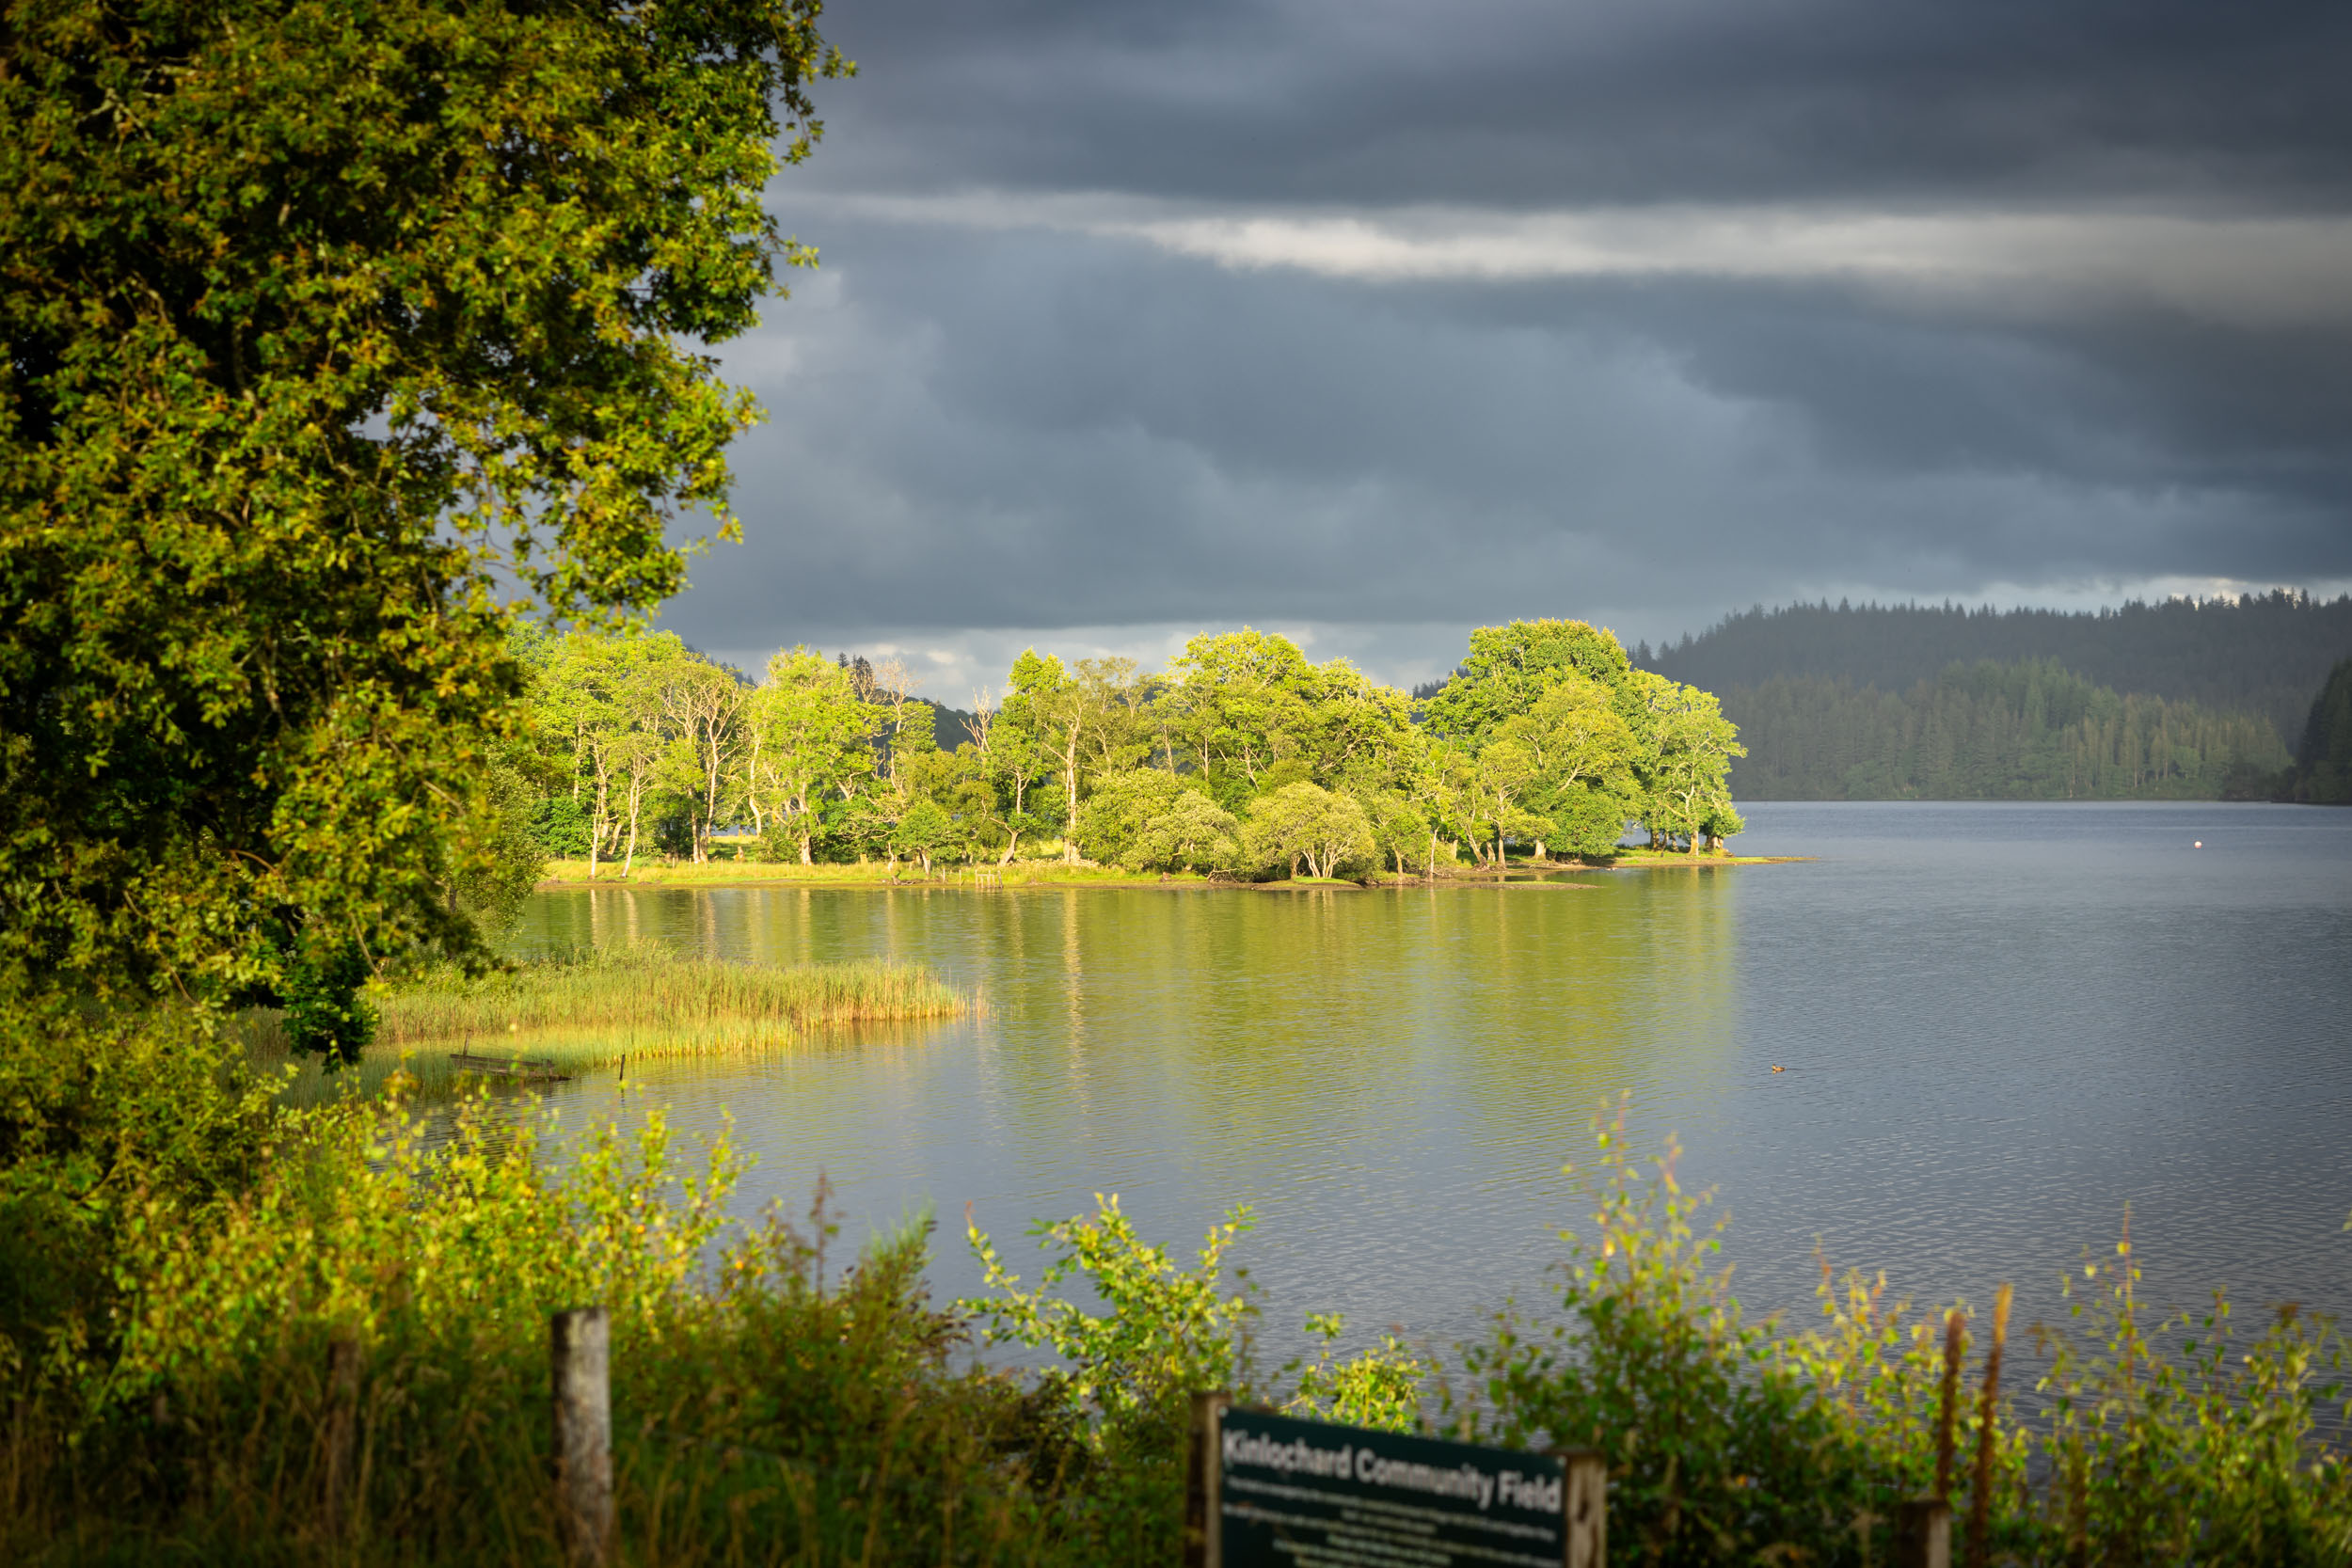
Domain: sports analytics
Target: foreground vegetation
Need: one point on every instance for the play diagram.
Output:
(777, 1402)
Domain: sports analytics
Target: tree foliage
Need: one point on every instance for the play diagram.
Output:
(1244, 756)
(317, 322)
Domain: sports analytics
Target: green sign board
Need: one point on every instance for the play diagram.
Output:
(1295, 1493)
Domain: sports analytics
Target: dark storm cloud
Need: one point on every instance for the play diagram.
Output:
(1368, 316)
(1016, 429)
(1512, 101)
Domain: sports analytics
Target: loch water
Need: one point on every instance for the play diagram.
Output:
(1998, 1025)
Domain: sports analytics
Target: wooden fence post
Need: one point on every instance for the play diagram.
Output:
(342, 1420)
(1204, 1484)
(1923, 1534)
(1586, 1507)
(580, 1345)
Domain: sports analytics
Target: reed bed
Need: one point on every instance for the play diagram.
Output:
(581, 1012)
(656, 994)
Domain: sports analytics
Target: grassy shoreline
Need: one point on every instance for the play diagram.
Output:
(568, 874)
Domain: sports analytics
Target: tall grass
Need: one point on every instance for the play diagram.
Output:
(660, 1002)
(591, 1009)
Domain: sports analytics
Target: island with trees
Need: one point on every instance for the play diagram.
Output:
(1243, 758)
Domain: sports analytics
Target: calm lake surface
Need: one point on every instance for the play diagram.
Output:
(2000, 1024)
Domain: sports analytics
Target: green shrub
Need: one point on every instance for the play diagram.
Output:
(327, 1013)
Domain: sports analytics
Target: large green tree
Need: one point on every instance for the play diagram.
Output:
(808, 735)
(320, 321)
(1685, 767)
(1570, 714)
(1510, 667)
(1583, 755)
(1238, 709)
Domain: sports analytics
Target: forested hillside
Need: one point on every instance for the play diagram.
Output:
(1991, 732)
(2323, 765)
(2265, 655)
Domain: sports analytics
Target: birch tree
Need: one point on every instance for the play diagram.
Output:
(810, 735)
(701, 706)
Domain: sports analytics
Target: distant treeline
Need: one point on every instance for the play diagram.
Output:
(2264, 654)
(2323, 764)
(1988, 731)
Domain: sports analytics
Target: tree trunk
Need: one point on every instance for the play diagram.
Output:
(629, 862)
(801, 808)
(595, 835)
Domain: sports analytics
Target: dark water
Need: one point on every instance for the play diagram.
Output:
(2000, 1024)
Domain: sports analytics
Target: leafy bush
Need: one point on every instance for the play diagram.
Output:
(1168, 1332)
(1121, 812)
(1726, 1442)
(1194, 833)
(1718, 1445)
(1381, 1387)
(2202, 1456)
(1305, 823)
(327, 1012)
(560, 827)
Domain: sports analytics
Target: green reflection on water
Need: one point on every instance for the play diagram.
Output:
(1310, 1032)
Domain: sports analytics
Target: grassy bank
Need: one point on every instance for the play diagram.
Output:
(747, 873)
(593, 1010)
(1023, 874)
(1641, 858)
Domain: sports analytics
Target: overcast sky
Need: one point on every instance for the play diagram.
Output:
(1370, 322)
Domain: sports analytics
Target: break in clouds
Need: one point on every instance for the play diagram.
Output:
(1368, 322)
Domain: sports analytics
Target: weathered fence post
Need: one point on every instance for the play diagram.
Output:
(1587, 1507)
(1204, 1483)
(343, 1420)
(580, 1345)
(1923, 1534)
